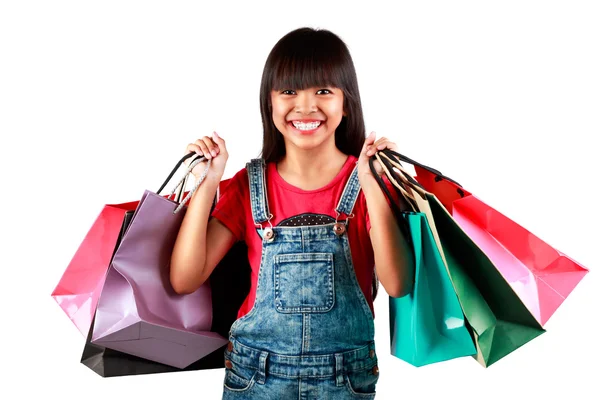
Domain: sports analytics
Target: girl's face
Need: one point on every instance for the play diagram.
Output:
(308, 118)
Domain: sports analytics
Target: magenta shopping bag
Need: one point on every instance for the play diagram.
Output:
(79, 287)
(138, 311)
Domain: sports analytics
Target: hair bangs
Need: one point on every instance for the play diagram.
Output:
(305, 61)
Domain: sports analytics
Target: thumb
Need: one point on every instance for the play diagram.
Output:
(369, 140)
(218, 139)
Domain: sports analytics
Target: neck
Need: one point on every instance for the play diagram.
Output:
(311, 163)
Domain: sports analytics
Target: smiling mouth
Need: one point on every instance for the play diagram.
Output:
(305, 127)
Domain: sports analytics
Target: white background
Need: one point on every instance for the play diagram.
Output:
(99, 99)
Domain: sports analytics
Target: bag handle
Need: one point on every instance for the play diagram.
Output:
(195, 161)
(181, 161)
(395, 208)
(403, 195)
(401, 157)
(388, 167)
(404, 176)
(182, 187)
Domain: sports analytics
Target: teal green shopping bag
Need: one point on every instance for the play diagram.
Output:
(427, 325)
(497, 318)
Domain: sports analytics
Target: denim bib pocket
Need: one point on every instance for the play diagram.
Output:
(303, 282)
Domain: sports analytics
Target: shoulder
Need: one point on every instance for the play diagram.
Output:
(237, 184)
(240, 178)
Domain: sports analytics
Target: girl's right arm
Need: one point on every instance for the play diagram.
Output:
(201, 244)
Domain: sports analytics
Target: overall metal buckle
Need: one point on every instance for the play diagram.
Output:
(339, 228)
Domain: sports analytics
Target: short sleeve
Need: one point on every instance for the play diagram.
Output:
(229, 209)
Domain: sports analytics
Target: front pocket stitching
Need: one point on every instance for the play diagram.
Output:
(294, 257)
(303, 257)
(248, 385)
(349, 387)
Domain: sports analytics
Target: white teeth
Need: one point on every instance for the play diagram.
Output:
(308, 126)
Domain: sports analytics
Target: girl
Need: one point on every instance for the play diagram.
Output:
(305, 210)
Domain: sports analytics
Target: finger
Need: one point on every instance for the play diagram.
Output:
(218, 139)
(368, 143)
(204, 148)
(369, 139)
(211, 146)
(383, 144)
(391, 146)
(193, 148)
(370, 148)
(220, 142)
(380, 140)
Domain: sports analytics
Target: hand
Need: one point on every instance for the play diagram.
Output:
(213, 149)
(369, 148)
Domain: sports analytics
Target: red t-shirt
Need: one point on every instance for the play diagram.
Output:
(286, 201)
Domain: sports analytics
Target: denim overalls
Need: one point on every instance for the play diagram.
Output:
(310, 333)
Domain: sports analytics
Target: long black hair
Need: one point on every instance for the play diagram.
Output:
(304, 58)
(308, 57)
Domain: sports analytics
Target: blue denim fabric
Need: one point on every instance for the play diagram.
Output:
(310, 333)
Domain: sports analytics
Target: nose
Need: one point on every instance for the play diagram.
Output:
(305, 102)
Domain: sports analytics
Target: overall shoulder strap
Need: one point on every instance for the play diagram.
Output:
(258, 190)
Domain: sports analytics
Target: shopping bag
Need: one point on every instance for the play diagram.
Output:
(111, 363)
(79, 287)
(541, 275)
(138, 311)
(498, 319)
(427, 325)
(230, 284)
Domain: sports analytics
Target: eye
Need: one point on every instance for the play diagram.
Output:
(324, 90)
(288, 91)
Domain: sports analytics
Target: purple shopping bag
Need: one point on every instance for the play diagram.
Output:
(138, 311)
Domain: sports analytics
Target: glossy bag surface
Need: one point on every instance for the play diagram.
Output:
(542, 276)
(79, 288)
(497, 317)
(230, 284)
(427, 325)
(139, 312)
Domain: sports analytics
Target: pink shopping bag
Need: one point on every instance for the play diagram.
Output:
(541, 275)
(79, 288)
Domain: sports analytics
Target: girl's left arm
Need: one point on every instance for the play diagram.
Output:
(394, 261)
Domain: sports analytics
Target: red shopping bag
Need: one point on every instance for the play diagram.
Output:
(79, 288)
(541, 275)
